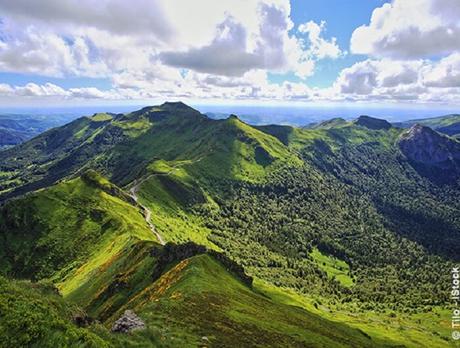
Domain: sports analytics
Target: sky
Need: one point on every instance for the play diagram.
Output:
(232, 52)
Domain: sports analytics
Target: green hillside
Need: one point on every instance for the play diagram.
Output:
(65, 230)
(33, 315)
(100, 278)
(337, 220)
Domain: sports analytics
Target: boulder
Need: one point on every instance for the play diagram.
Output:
(128, 322)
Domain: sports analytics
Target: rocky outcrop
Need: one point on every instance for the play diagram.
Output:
(424, 145)
(128, 322)
(372, 123)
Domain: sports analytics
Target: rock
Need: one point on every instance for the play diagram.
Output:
(424, 145)
(81, 320)
(128, 322)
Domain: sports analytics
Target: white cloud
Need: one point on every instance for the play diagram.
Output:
(408, 29)
(227, 54)
(144, 17)
(444, 74)
(225, 49)
(34, 90)
(45, 53)
(237, 48)
(319, 47)
(416, 80)
(114, 38)
(363, 77)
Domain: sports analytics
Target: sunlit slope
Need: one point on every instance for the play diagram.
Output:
(200, 297)
(33, 315)
(122, 146)
(56, 231)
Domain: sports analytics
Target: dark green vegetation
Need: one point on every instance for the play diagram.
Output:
(348, 234)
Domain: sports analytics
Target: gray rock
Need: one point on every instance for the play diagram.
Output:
(128, 322)
(424, 145)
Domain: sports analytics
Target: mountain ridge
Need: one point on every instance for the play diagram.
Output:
(320, 218)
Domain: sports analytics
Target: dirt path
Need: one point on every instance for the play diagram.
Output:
(147, 212)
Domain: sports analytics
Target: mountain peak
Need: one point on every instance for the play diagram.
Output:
(176, 106)
(372, 122)
(165, 110)
(422, 144)
(420, 132)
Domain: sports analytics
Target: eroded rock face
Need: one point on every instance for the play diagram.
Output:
(128, 322)
(424, 145)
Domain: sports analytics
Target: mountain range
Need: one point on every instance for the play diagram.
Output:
(219, 233)
(17, 128)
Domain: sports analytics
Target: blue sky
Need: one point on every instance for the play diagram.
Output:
(342, 18)
(400, 52)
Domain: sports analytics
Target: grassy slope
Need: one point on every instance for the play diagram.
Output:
(449, 124)
(199, 298)
(227, 150)
(334, 267)
(33, 315)
(65, 231)
(430, 329)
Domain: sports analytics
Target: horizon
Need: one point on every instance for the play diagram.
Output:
(294, 115)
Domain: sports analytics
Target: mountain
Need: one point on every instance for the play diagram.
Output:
(120, 146)
(372, 122)
(438, 156)
(9, 137)
(422, 144)
(17, 128)
(334, 122)
(334, 225)
(106, 262)
(448, 124)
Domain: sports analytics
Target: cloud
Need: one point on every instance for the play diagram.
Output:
(415, 80)
(410, 29)
(49, 54)
(169, 49)
(226, 55)
(363, 77)
(114, 38)
(444, 74)
(319, 47)
(145, 17)
(235, 49)
(34, 90)
(49, 90)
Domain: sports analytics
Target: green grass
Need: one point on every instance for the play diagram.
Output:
(427, 329)
(64, 231)
(33, 315)
(199, 298)
(435, 122)
(88, 237)
(334, 267)
(169, 214)
(101, 117)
